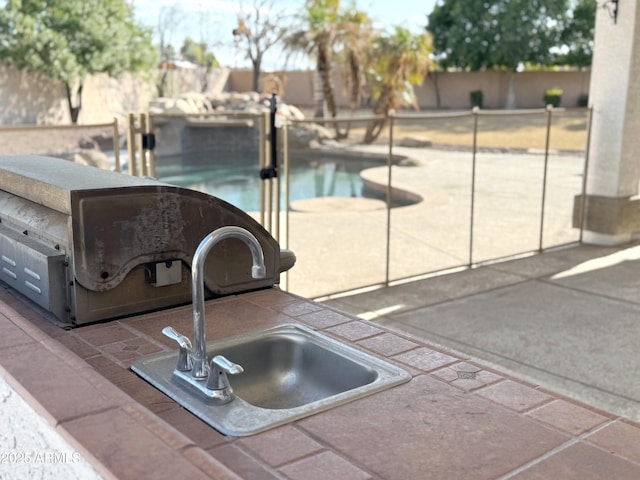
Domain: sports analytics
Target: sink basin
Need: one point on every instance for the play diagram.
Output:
(290, 372)
(287, 369)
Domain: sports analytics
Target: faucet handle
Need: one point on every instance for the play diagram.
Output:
(226, 365)
(185, 353)
(220, 367)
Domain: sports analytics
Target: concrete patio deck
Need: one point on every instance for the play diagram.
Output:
(343, 245)
(568, 320)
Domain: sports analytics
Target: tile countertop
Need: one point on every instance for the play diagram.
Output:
(454, 419)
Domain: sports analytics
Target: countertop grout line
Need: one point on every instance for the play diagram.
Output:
(61, 423)
(265, 464)
(140, 334)
(235, 443)
(575, 439)
(329, 447)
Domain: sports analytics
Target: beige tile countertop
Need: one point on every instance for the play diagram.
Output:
(454, 419)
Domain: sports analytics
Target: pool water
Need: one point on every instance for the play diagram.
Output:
(238, 181)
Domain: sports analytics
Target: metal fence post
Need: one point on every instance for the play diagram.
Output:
(262, 162)
(131, 144)
(544, 175)
(269, 173)
(391, 115)
(274, 118)
(151, 156)
(142, 119)
(474, 111)
(287, 184)
(116, 145)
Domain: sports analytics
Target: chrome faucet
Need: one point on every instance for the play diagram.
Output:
(200, 367)
(192, 361)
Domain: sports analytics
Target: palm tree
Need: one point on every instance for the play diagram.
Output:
(401, 61)
(316, 39)
(356, 35)
(328, 29)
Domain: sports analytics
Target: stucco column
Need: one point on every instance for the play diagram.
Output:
(612, 215)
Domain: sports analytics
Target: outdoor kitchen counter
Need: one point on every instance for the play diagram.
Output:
(454, 419)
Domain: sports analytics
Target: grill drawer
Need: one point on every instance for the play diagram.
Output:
(35, 270)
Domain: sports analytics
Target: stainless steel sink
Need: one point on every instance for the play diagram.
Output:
(290, 372)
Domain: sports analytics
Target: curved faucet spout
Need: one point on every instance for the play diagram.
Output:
(200, 367)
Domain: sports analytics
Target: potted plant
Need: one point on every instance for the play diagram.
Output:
(476, 98)
(583, 100)
(553, 96)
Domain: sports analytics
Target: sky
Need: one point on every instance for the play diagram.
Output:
(213, 21)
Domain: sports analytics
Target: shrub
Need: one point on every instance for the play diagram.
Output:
(476, 98)
(583, 100)
(553, 96)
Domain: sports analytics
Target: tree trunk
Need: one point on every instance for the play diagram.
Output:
(256, 72)
(434, 75)
(356, 86)
(205, 79)
(375, 127)
(162, 83)
(318, 96)
(74, 111)
(324, 69)
(355, 93)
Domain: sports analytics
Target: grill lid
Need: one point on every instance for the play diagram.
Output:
(110, 224)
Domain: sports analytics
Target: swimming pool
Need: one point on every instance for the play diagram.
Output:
(237, 180)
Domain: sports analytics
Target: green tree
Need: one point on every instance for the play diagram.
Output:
(577, 37)
(198, 53)
(496, 34)
(69, 39)
(499, 34)
(402, 60)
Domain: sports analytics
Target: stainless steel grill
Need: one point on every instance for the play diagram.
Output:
(87, 244)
